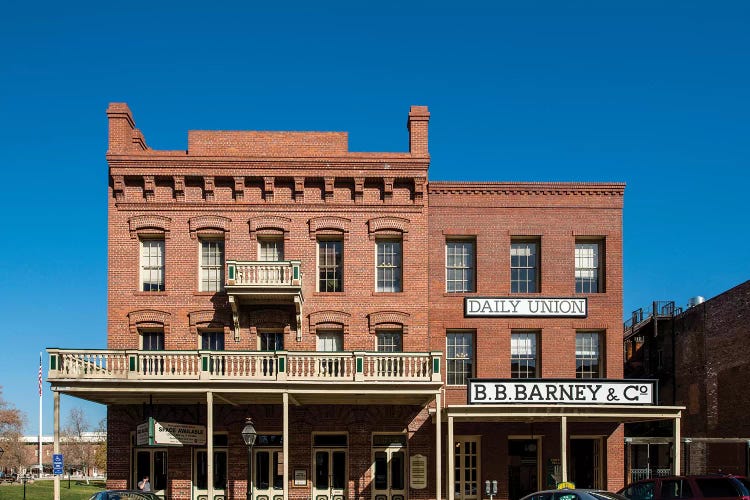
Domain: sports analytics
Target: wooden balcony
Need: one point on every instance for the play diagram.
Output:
(238, 366)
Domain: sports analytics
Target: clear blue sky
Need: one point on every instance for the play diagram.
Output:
(654, 94)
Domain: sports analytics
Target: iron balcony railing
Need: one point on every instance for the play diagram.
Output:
(658, 309)
(66, 364)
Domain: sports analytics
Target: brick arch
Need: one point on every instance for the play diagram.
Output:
(329, 319)
(149, 223)
(380, 319)
(208, 318)
(329, 224)
(208, 223)
(148, 318)
(270, 223)
(271, 318)
(388, 225)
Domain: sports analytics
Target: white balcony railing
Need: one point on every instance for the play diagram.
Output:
(264, 274)
(66, 364)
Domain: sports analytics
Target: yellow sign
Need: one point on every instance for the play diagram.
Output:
(562, 486)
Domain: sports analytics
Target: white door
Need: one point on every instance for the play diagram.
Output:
(329, 474)
(389, 474)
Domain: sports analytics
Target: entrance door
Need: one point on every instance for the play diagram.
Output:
(586, 462)
(152, 463)
(389, 467)
(523, 467)
(329, 474)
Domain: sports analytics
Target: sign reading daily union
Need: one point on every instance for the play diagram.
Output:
(593, 391)
(548, 307)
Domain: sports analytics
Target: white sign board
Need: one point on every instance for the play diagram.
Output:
(546, 307)
(418, 472)
(607, 392)
(153, 433)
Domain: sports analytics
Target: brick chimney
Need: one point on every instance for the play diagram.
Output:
(419, 117)
(123, 136)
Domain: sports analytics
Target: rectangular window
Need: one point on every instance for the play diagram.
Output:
(523, 355)
(389, 341)
(330, 266)
(271, 250)
(466, 472)
(589, 274)
(271, 341)
(220, 470)
(330, 366)
(212, 266)
(153, 340)
(330, 341)
(152, 265)
(388, 266)
(212, 340)
(588, 355)
(269, 465)
(459, 357)
(524, 267)
(459, 266)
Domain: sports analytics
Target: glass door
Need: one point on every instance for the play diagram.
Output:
(152, 463)
(389, 467)
(329, 474)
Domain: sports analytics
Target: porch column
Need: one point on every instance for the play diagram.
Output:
(677, 451)
(564, 448)
(438, 451)
(285, 441)
(210, 443)
(451, 456)
(56, 445)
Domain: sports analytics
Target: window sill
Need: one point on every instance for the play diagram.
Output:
(151, 294)
(209, 294)
(376, 294)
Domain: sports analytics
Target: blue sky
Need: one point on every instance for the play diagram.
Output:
(654, 94)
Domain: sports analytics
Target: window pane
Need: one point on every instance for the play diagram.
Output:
(152, 265)
(388, 266)
(389, 341)
(381, 470)
(330, 269)
(587, 355)
(262, 467)
(459, 355)
(459, 270)
(212, 266)
(523, 355)
(587, 272)
(523, 264)
(271, 250)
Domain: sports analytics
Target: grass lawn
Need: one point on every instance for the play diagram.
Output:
(44, 490)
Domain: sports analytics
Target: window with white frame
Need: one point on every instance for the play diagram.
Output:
(459, 266)
(271, 341)
(330, 266)
(268, 463)
(271, 249)
(588, 355)
(212, 340)
(524, 266)
(152, 265)
(466, 472)
(330, 341)
(389, 341)
(459, 357)
(152, 340)
(588, 267)
(388, 264)
(523, 355)
(212, 265)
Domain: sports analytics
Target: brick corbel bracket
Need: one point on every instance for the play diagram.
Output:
(388, 226)
(148, 318)
(149, 224)
(270, 223)
(322, 320)
(329, 225)
(208, 223)
(118, 187)
(208, 319)
(386, 319)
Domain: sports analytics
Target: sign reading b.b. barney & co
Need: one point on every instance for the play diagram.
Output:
(562, 391)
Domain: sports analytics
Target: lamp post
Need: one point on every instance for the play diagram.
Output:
(248, 436)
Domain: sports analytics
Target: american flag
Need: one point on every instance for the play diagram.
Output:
(40, 375)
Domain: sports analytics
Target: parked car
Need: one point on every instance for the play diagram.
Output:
(706, 487)
(573, 494)
(124, 495)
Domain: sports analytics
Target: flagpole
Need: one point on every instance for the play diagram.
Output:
(40, 415)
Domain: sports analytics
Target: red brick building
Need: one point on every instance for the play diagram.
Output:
(367, 322)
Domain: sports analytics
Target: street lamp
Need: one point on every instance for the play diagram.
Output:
(248, 436)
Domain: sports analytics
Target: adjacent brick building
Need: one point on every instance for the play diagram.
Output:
(696, 354)
(373, 325)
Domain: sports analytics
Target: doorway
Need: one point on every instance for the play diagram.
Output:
(152, 463)
(523, 467)
(329, 467)
(389, 467)
(586, 462)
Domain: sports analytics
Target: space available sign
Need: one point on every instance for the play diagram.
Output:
(593, 391)
(548, 307)
(153, 433)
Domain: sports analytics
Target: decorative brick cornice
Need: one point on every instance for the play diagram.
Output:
(239, 187)
(148, 187)
(139, 224)
(299, 189)
(272, 319)
(388, 188)
(385, 319)
(269, 183)
(328, 187)
(208, 187)
(179, 187)
(528, 188)
(329, 223)
(148, 318)
(273, 222)
(388, 224)
(209, 318)
(359, 189)
(209, 222)
(322, 320)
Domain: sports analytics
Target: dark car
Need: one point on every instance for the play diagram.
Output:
(573, 494)
(706, 487)
(125, 495)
